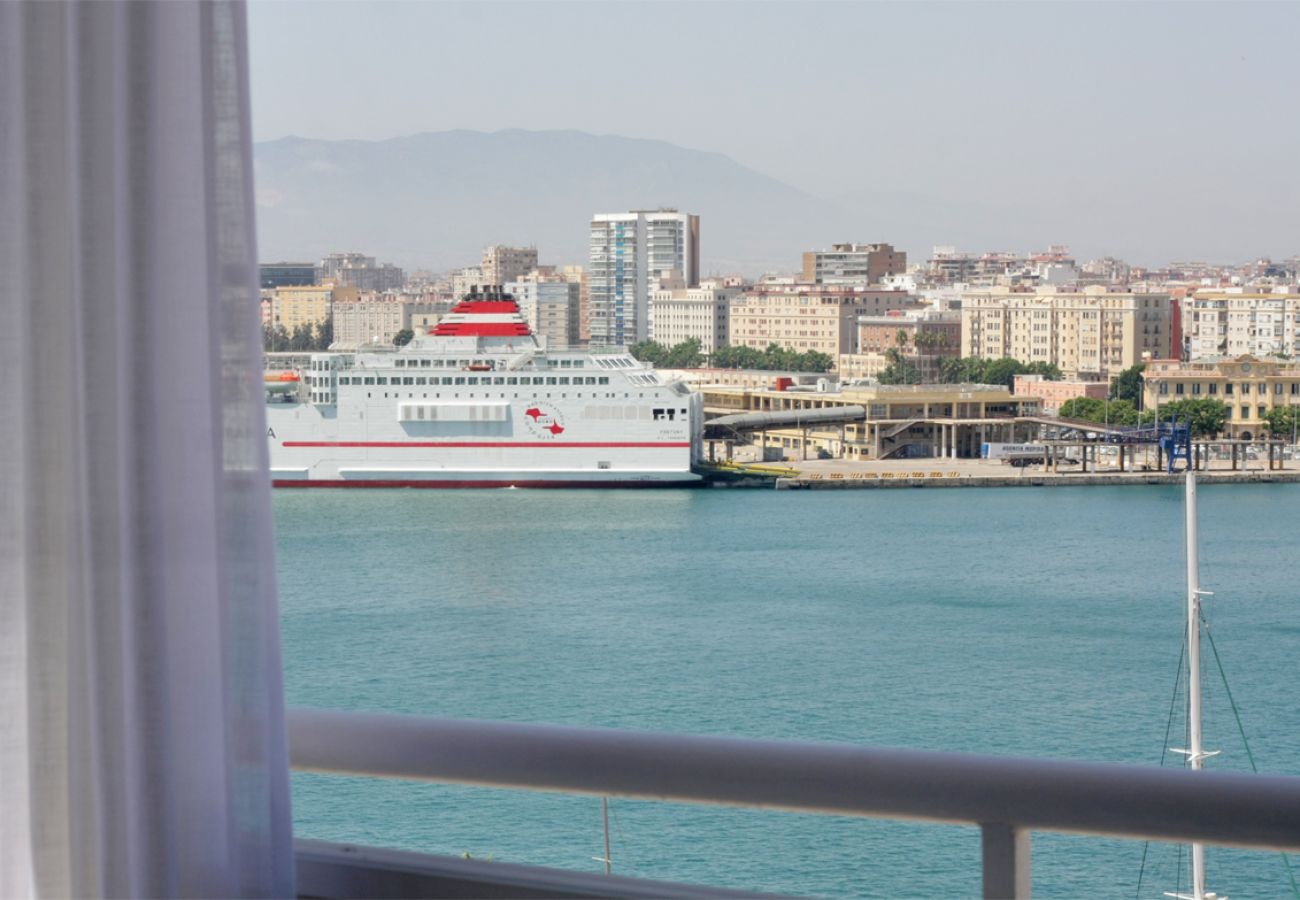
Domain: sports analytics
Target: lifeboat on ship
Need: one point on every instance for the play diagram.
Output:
(282, 382)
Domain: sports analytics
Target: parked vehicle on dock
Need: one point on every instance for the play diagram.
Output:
(1018, 455)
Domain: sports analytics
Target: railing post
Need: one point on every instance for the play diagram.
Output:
(1006, 861)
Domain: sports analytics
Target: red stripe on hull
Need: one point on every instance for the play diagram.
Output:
(507, 307)
(305, 483)
(487, 444)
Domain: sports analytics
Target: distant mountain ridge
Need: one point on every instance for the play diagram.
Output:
(437, 199)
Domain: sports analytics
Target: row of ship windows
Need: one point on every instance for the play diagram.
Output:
(473, 379)
(534, 395)
(462, 363)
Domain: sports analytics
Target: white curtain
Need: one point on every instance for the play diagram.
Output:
(142, 748)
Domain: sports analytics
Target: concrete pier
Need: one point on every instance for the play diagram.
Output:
(936, 476)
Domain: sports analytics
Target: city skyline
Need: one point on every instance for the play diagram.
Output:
(1148, 131)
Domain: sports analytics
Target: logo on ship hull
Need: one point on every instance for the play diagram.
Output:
(544, 421)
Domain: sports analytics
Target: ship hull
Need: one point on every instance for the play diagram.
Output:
(560, 481)
(311, 447)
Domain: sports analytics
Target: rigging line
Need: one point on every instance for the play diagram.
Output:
(1164, 748)
(1236, 714)
(618, 826)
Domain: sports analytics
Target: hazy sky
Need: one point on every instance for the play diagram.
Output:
(1181, 110)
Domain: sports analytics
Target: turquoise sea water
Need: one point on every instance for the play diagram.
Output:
(1020, 621)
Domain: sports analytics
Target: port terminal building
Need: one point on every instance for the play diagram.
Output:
(875, 421)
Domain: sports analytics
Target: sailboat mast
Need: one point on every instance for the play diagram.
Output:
(604, 814)
(1195, 752)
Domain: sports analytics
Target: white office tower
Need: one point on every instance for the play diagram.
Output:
(630, 253)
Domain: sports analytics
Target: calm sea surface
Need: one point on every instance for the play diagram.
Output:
(1020, 621)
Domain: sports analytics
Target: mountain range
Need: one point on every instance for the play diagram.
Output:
(435, 200)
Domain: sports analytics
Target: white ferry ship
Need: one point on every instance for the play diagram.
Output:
(480, 402)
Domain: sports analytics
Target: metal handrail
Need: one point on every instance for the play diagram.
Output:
(1007, 796)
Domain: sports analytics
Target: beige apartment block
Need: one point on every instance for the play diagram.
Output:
(377, 318)
(465, 280)
(549, 304)
(294, 305)
(502, 264)
(1091, 335)
(702, 314)
(861, 264)
(1233, 323)
(1247, 385)
(806, 317)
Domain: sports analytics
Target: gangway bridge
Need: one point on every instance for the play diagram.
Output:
(1173, 438)
(724, 427)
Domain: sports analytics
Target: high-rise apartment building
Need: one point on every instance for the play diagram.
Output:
(1093, 334)
(1219, 323)
(502, 264)
(701, 313)
(861, 264)
(630, 253)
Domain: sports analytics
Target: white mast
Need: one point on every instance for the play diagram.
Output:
(1195, 753)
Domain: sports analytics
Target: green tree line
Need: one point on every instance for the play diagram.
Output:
(689, 355)
(305, 337)
(1208, 416)
(962, 370)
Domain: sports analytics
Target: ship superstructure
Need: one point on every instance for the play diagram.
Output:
(480, 402)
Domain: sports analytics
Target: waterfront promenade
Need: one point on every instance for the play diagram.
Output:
(846, 474)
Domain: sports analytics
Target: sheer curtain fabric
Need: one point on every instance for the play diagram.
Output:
(142, 748)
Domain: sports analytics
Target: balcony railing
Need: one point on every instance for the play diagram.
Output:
(1006, 797)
